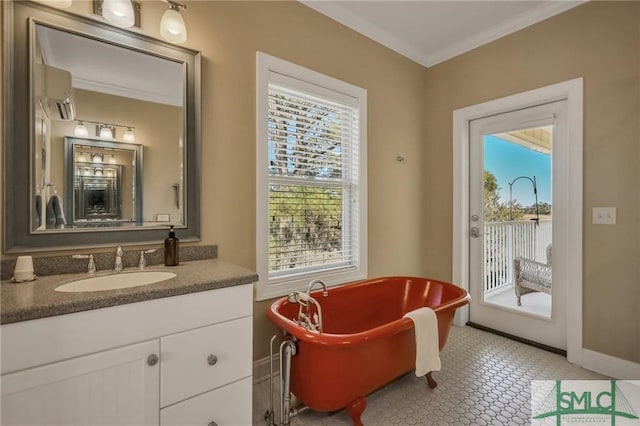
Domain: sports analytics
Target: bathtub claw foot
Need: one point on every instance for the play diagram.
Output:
(430, 381)
(355, 410)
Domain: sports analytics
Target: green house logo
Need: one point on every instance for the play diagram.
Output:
(593, 402)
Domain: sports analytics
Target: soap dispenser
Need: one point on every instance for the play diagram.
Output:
(171, 249)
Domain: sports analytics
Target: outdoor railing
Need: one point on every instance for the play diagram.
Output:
(504, 241)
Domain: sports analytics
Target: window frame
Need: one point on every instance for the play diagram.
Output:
(270, 69)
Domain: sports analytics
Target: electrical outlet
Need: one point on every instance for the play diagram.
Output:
(604, 215)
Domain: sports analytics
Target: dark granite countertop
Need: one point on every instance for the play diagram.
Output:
(38, 299)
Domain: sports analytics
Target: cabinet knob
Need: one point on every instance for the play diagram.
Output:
(152, 360)
(212, 360)
(212, 424)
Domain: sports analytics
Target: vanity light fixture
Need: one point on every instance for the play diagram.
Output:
(81, 157)
(97, 171)
(96, 158)
(172, 27)
(112, 160)
(105, 131)
(120, 13)
(128, 135)
(81, 130)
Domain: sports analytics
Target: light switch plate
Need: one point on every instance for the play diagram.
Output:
(604, 215)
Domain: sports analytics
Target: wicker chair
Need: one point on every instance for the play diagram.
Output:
(531, 276)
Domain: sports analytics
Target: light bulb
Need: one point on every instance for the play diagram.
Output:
(118, 12)
(128, 135)
(81, 130)
(172, 26)
(105, 133)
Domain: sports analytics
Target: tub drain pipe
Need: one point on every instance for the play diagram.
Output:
(287, 351)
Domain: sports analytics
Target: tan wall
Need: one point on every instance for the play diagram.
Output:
(599, 41)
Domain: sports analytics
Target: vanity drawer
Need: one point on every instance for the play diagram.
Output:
(206, 358)
(226, 406)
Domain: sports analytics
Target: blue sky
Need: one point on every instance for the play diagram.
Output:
(508, 160)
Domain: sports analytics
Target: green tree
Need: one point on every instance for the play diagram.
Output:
(494, 209)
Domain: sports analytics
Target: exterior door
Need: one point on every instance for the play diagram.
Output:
(514, 158)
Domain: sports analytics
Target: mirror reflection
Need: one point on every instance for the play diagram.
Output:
(96, 106)
(106, 178)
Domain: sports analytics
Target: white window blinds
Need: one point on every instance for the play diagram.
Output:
(312, 159)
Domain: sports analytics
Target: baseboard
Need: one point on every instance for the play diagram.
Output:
(261, 369)
(519, 339)
(610, 366)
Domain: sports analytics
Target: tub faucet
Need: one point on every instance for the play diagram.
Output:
(118, 263)
(325, 293)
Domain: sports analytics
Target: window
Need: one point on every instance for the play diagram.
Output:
(311, 178)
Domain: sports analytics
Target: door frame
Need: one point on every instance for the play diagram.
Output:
(572, 91)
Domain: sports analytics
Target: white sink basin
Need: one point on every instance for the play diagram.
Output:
(116, 281)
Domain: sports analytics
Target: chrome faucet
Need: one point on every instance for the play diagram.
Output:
(118, 263)
(325, 293)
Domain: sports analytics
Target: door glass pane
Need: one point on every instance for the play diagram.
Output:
(518, 219)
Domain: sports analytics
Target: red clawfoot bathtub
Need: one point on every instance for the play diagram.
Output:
(366, 343)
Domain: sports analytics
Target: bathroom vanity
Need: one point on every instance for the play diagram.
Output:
(175, 352)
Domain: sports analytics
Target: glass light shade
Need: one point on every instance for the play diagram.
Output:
(60, 4)
(105, 133)
(172, 27)
(81, 131)
(118, 13)
(81, 157)
(128, 135)
(96, 158)
(112, 160)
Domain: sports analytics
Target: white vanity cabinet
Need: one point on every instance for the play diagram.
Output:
(176, 360)
(115, 387)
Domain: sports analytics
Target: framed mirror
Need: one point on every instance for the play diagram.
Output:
(78, 91)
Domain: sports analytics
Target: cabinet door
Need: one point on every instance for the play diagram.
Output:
(226, 406)
(115, 387)
(199, 360)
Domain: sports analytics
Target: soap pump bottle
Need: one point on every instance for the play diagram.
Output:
(171, 249)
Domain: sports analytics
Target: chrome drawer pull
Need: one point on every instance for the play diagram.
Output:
(152, 360)
(212, 360)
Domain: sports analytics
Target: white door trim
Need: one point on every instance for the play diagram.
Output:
(570, 90)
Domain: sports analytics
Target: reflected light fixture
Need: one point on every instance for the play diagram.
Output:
(96, 158)
(105, 131)
(128, 135)
(60, 4)
(172, 27)
(119, 13)
(81, 157)
(81, 130)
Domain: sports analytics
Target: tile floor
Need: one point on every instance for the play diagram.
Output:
(485, 380)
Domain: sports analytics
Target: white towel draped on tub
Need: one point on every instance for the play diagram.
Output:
(425, 325)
